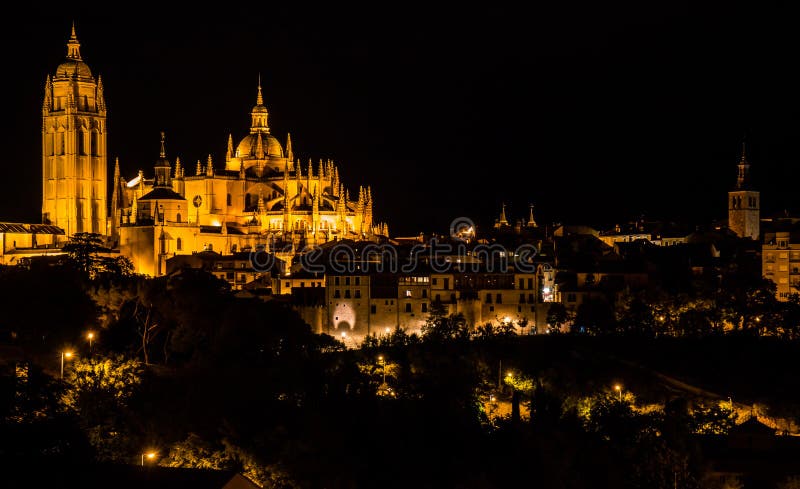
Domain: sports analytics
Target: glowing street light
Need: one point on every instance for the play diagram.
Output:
(618, 388)
(67, 355)
(344, 339)
(382, 361)
(90, 337)
(148, 455)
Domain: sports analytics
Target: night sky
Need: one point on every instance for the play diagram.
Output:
(596, 114)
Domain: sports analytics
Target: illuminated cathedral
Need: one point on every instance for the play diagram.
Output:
(261, 196)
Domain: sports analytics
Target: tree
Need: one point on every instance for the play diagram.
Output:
(595, 316)
(86, 251)
(557, 315)
(98, 390)
(792, 482)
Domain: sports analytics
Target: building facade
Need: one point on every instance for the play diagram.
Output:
(260, 197)
(74, 163)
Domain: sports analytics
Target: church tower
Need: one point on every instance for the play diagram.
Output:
(74, 166)
(743, 203)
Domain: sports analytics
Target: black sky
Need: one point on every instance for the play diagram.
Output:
(594, 113)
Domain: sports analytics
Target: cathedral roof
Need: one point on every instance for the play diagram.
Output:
(73, 65)
(161, 193)
(249, 145)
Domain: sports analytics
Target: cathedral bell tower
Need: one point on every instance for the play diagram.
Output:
(74, 161)
(743, 203)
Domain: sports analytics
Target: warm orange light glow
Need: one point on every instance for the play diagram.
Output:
(67, 354)
(617, 387)
(90, 336)
(151, 455)
(380, 358)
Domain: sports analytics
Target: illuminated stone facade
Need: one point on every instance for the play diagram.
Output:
(261, 196)
(74, 163)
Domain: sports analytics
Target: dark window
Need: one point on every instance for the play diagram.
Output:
(530, 283)
(521, 283)
(424, 293)
(358, 294)
(491, 308)
(358, 280)
(532, 308)
(452, 297)
(424, 307)
(408, 307)
(288, 284)
(522, 298)
(335, 280)
(499, 298)
(488, 298)
(347, 280)
(447, 283)
(435, 281)
(302, 284)
(229, 275)
(347, 293)
(336, 294)
(373, 309)
(530, 298)
(229, 199)
(179, 243)
(438, 298)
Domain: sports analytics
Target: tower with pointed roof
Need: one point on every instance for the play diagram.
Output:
(743, 203)
(74, 158)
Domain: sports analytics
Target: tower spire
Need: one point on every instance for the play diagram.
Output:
(259, 114)
(503, 220)
(531, 220)
(259, 98)
(163, 153)
(73, 46)
(743, 176)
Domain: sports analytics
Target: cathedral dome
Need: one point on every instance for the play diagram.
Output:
(71, 67)
(249, 145)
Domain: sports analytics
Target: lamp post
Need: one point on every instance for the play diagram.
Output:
(90, 337)
(68, 355)
(344, 339)
(618, 388)
(149, 455)
(383, 366)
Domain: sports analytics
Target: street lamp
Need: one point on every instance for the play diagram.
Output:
(383, 366)
(90, 337)
(68, 355)
(618, 388)
(149, 455)
(344, 339)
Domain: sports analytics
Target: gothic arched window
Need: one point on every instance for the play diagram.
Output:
(179, 242)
